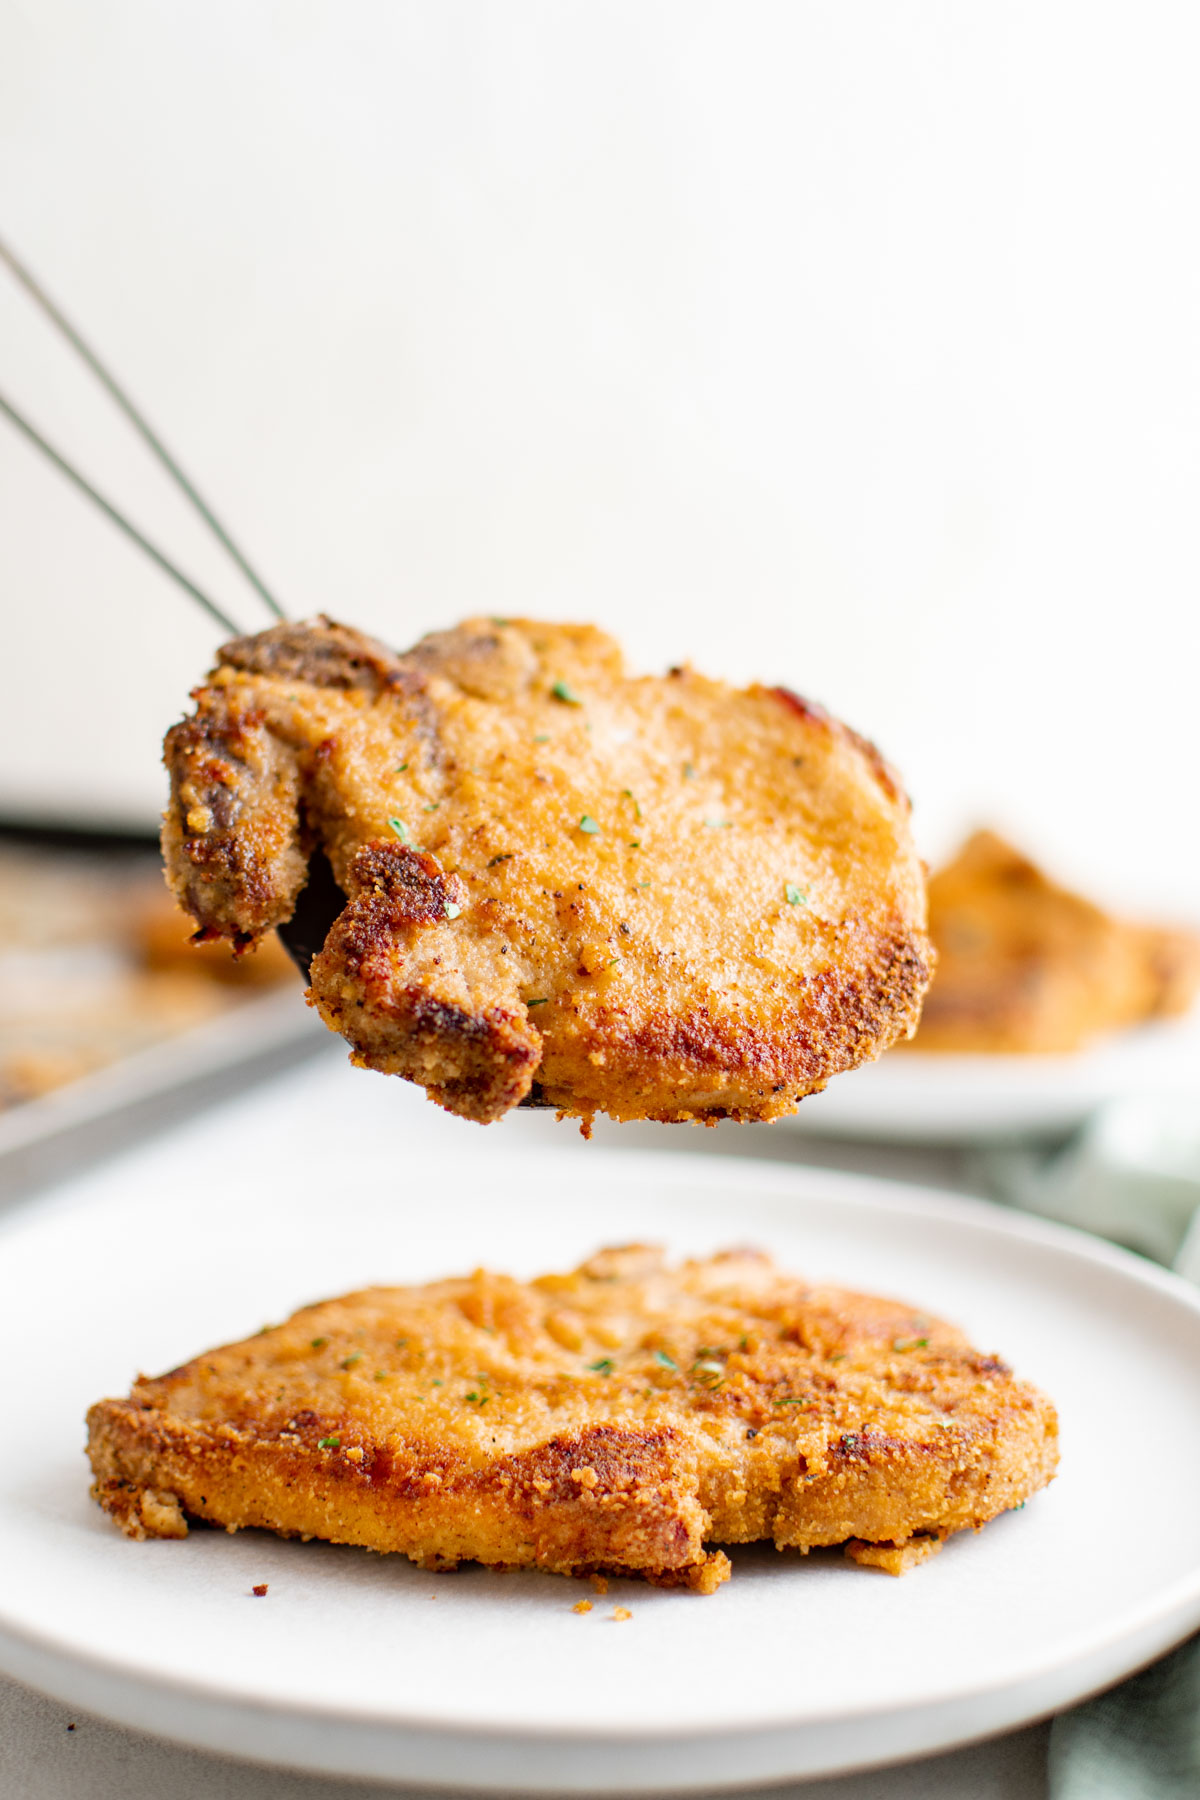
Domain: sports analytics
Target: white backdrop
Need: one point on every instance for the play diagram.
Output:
(856, 346)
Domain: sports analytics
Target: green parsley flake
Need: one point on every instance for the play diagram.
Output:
(400, 768)
(435, 1383)
(382, 1375)
(318, 1343)
(604, 1366)
(562, 692)
(795, 896)
(689, 773)
(543, 1001)
(643, 884)
(588, 824)
(627, 794)
(506, 856)
(792, 1403)
(910, 1343)
(349, 1361)
(660, 1356)
(452, 910)
(542, 739)
(401, 830)
(717, 824)
(329, 1443)
(432, 807)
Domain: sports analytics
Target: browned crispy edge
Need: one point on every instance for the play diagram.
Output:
(235, 843)
(888, 1490)
(604, 1497)
(730, 1070)
(481, 1063)
(477, 1064)
(233, 855)
(623, 1499)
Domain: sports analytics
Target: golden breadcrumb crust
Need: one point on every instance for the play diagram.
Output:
(1025, 965)
(625, 1417)
(658, 898)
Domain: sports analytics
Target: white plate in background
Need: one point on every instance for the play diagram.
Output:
(910, 1097)
(363, 1665)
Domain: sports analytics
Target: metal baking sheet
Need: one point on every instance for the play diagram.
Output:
(45, 1139)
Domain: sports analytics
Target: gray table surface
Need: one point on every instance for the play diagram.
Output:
(42, 1759)
(50, 1752)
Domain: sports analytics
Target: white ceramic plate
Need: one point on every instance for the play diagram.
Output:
(362, 1665)
(910, 1098)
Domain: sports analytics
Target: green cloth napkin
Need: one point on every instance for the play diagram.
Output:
(1132, 1174)
(1140, 1741)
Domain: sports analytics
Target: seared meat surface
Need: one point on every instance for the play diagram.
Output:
(656, 898)
(624, 1417)
(1026, 966)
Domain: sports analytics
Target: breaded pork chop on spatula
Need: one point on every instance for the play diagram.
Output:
(657, 897)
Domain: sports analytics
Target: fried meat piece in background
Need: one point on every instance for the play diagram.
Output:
(621, 1418)
(657, 898)
(96, 966)
(1026, 965)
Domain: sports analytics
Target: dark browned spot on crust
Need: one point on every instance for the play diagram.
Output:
(400, 887)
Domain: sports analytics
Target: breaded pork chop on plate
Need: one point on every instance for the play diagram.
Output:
(626, 1417)
(1025, 966)
(658, 897)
